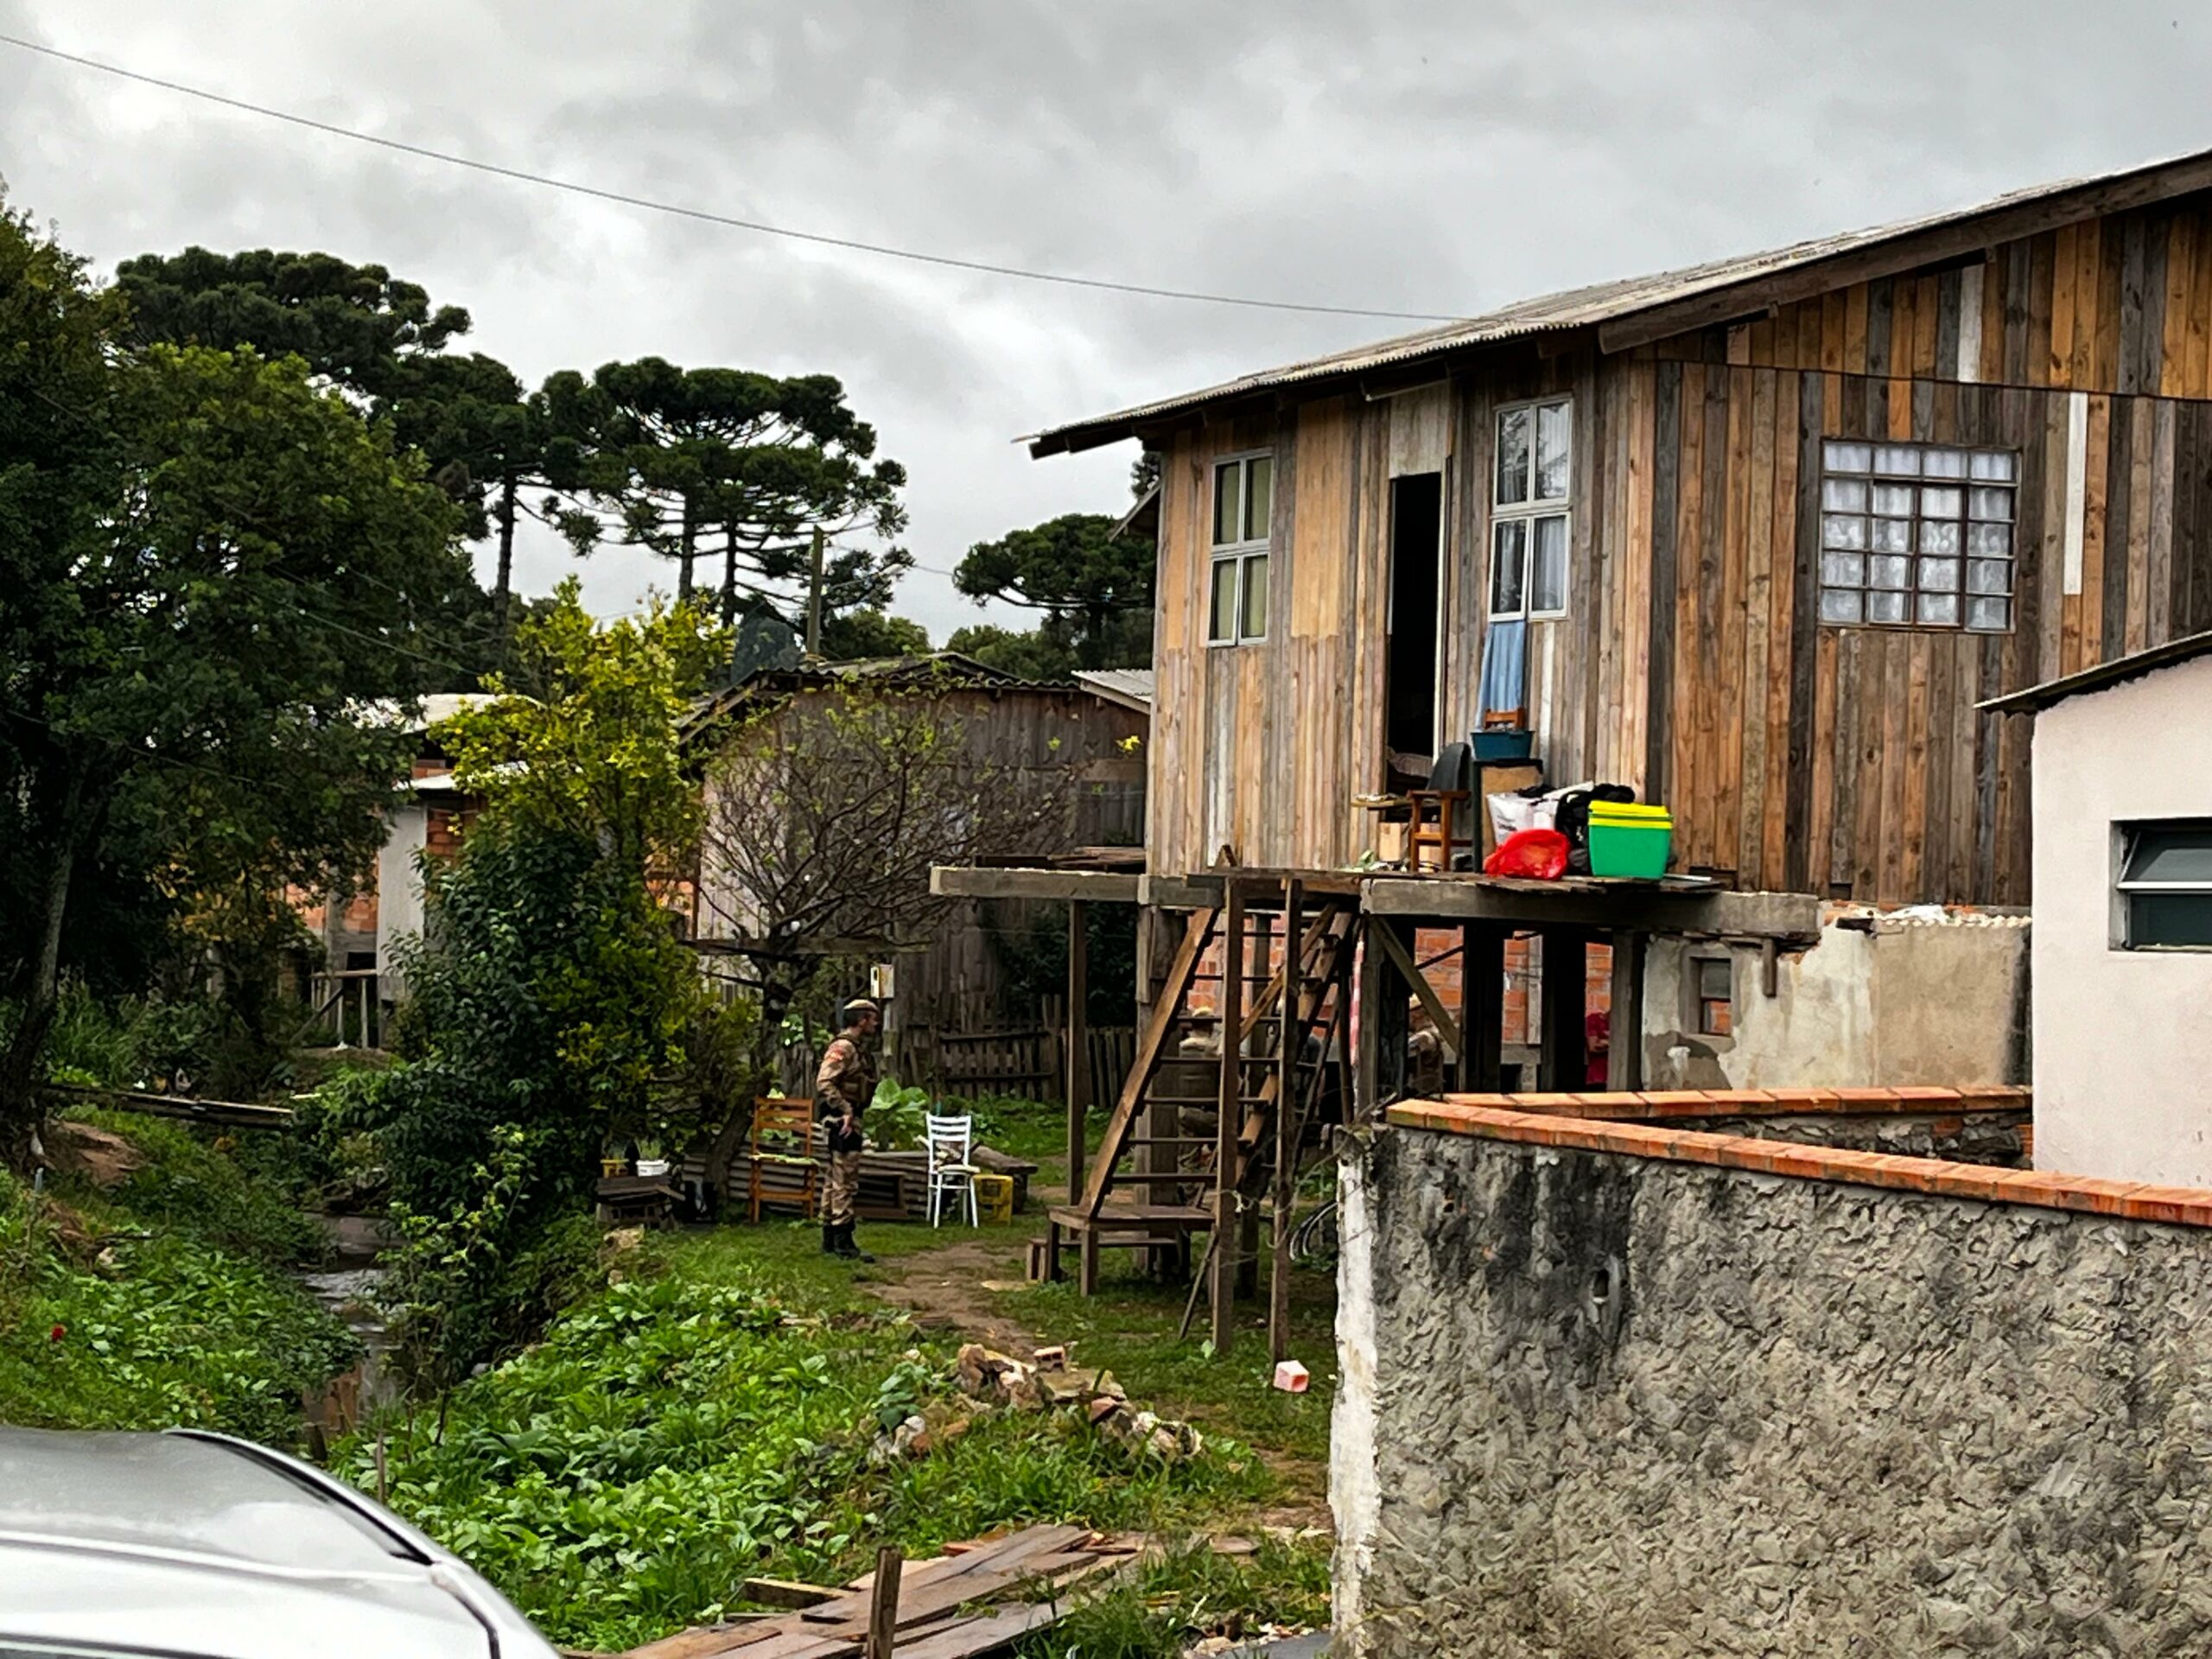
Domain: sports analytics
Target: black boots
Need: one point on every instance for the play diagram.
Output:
(837, 1240)
(832, 1236)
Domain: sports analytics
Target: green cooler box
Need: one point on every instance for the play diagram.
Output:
(1631, 840)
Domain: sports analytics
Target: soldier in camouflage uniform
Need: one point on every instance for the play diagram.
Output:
(842, 1088)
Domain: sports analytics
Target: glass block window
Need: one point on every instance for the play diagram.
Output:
(1244, 513)
(1916, 536)
(1529, 508)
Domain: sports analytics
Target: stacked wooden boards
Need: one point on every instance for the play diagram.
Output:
(958, 1605)
(1690, 660)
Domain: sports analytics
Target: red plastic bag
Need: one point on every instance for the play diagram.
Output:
(1538, 854)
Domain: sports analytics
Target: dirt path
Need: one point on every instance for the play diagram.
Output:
(943, 1290)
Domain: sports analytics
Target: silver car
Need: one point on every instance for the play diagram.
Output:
(206, 1547)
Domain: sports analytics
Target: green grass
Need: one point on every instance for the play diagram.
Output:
(1193, 1591)
(162, 1303)
(712, 1421)
(1130, 1327)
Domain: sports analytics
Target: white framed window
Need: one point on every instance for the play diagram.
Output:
(1916, 536)
(1531, 473)
(1243, 508)
(2163, 895)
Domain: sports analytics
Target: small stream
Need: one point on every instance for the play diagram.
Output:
(348, 1285)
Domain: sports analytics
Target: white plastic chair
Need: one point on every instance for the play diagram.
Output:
(950, 1142)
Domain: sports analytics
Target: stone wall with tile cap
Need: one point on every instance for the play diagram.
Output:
(1992, 1125)
(1632, 1389)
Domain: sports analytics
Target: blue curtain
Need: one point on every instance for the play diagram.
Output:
(1505, 665)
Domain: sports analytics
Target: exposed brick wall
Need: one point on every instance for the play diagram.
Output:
(1438, 948)
(443, 827)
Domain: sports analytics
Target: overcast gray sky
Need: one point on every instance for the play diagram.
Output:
(1433, 158)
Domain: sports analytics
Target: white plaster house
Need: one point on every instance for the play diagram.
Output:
(2121, 963)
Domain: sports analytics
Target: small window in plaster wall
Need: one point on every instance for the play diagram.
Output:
(2165, 887)
(1715, 983)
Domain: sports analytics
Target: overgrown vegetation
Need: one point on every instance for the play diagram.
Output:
(206, 563)
(163, 1302)
(712, 1421)
(550, 1003)
(826, 809)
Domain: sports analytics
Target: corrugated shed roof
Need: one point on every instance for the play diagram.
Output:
(924, 668)
(1131, 687)
(1575, 307)
(942, 670)
(2120, 670)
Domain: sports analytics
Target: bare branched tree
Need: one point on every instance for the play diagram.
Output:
(825, 808)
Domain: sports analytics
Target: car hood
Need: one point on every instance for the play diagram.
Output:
(195, 1544)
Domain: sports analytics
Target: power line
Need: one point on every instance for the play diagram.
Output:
(680, 211)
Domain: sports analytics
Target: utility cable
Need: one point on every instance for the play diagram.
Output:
(680, 211)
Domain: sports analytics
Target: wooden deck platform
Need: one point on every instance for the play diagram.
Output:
(1120, 1227)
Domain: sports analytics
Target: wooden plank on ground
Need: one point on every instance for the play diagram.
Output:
(987, 1633)
(787, 1593)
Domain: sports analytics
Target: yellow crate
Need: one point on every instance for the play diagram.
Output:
(994, 1197)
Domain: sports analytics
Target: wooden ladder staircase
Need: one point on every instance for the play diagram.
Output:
(1181, 1183)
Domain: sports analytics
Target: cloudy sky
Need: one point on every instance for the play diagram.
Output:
(1428, 158)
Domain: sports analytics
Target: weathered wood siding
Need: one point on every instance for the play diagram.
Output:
(2118, 304)
(1691, 663)
(1040, 741)
(1850, 761)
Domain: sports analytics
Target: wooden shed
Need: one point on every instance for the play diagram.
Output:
(959, 1014)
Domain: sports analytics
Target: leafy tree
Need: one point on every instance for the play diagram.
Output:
(550, 1004)
(211, 577)
(1093, 588)
(824, 810)
(356, 325)
(382, 342)
(721, 463)
(582, 735)
(1024, 651)
(853, 636)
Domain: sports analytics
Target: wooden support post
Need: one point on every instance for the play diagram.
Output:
(1402, 958)
(1229, 1101)
(1481, 1004)
(1086, 1260)
(1156, 934)
(1624, 1060)
(883, 1596)
(1078, 1045)
(1287, 1119)
(1373, 991)
(1562, 1065)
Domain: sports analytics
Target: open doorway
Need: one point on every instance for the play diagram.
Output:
(1416, 566)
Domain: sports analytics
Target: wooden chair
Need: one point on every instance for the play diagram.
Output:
(783, 1139)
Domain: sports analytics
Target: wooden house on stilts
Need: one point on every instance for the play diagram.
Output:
(1755, 539)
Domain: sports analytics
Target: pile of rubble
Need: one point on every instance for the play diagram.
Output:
(1047, 1383)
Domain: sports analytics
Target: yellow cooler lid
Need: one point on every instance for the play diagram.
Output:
(1629, 812)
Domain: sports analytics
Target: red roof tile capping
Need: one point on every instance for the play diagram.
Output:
(1459, 1115)
(1649, 1106)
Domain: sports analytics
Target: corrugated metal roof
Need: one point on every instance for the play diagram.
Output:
(1573, 307)
(930, 670)
(2036, 698)
(1130, 686)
